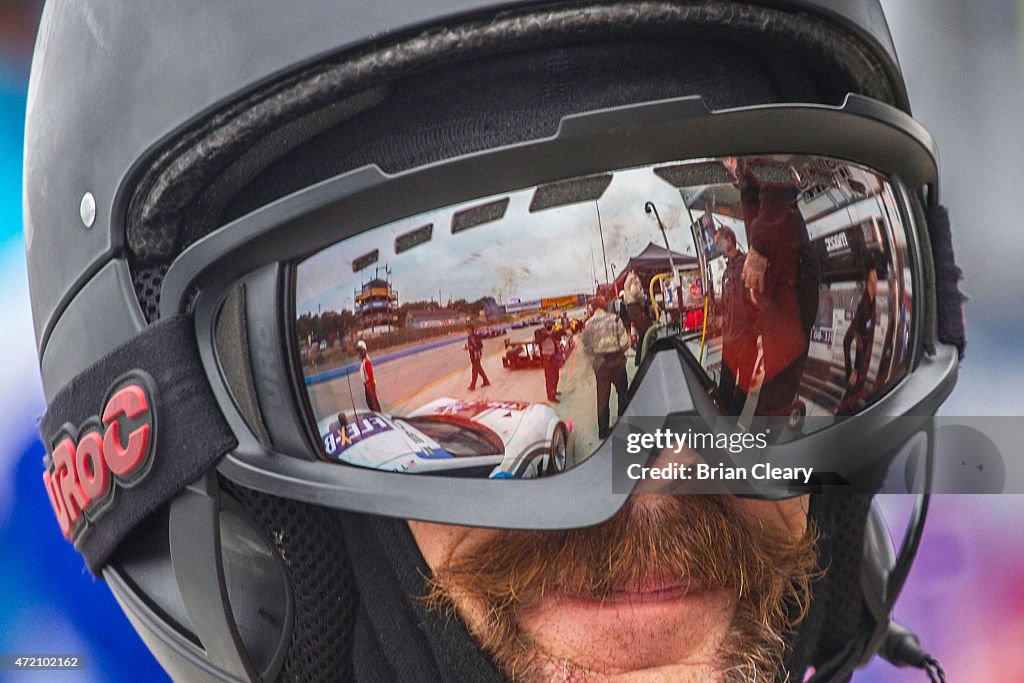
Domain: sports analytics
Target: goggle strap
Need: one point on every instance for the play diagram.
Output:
(949, 299)
(128, 434)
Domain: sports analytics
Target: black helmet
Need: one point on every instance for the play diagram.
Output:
(189, 165)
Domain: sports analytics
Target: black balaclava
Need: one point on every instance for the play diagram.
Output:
(357, 578)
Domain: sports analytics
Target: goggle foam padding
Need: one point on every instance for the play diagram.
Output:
(949, 299)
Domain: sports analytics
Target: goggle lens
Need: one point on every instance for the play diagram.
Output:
(500, 337)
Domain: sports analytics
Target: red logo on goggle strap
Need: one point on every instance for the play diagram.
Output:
(114, 447)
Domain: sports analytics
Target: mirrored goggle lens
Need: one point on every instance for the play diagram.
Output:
(500, 337)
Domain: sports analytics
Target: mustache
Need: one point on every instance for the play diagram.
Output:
(699, 540)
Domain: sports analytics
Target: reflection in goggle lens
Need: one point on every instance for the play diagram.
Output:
(499, 337)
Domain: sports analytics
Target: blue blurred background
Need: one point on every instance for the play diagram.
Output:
(964, 63)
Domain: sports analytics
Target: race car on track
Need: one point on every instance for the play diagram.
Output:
(496, 439)
(491, 332)
(526, 354)
(522, 354)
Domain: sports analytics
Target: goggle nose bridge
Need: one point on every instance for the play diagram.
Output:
(661, 386)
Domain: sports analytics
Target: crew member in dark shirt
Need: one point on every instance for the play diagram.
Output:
(475, 346)
(549, 342)
(781, 274)
(739, 336)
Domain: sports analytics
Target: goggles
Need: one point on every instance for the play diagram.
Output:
(785, 281)
(405, 344)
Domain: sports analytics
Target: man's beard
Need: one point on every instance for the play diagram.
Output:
(700, 539)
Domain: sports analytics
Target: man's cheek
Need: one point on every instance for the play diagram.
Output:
(441, 543)
(788, 515)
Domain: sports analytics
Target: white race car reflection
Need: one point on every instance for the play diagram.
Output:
(496, 439)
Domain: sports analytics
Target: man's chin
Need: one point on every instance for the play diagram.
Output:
(664, 634)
